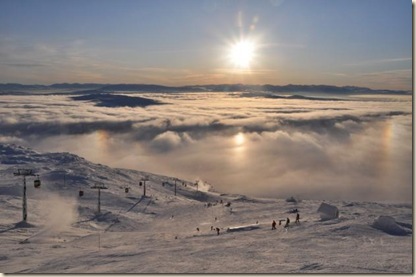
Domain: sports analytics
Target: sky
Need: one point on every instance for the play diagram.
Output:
(178, 42)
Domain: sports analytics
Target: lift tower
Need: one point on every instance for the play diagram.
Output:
(24, 173)
(99, 187)
(143, 181)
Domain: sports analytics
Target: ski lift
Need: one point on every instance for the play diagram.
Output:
(126, 190)
(81, 193)
(36, 183)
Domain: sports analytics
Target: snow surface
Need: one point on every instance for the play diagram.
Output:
(158, 233)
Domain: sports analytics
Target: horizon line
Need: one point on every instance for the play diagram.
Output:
(201, 85)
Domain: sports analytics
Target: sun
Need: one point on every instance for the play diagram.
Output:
(242, 53)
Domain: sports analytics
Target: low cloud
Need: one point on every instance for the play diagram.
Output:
(168, 141)
(356, 149)
(310, 165)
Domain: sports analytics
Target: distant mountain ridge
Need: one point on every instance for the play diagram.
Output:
(290, 88)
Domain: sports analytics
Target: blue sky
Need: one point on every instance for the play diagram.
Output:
(177, 42)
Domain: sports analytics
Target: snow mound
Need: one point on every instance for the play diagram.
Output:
(328, 212)
(388, 225)
(243, 228)
(16, 155)
(293, 199)
(244, 198)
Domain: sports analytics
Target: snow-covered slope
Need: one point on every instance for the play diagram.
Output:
(164, 233)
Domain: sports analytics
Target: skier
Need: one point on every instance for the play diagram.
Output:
(297, 218)
(274, 225)
(287, 222)
(218, 231)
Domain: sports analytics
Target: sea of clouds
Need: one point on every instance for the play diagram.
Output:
(352, 148)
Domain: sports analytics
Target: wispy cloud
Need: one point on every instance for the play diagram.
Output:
(284, 45)
(338, 74)
(380, 61)
(244, 71)
(23, 64)
(382, 73)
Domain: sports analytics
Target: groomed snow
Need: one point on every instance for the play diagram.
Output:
(158, 233)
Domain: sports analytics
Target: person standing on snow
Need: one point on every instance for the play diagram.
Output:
(297, 218)
(287, 222)
(274, 225)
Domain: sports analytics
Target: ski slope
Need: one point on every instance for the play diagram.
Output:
(157, 233)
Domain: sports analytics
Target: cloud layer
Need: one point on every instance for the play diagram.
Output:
(360, 148)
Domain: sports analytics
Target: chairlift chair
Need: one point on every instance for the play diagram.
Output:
(36, 183)
(81, 193)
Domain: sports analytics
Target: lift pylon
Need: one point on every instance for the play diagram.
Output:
(99, 187)
(24, 173)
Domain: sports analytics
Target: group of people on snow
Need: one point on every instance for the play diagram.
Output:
(287, 222)
(297, 220)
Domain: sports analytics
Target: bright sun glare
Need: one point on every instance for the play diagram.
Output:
(239, 139)
(242, 53)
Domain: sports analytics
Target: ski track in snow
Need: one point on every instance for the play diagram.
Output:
(157, 233)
